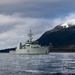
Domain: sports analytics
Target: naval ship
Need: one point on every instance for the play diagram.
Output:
(31, 47)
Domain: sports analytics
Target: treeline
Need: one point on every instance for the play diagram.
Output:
(62, 50)
(7, 50)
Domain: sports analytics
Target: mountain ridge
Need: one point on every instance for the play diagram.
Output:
(59, 37)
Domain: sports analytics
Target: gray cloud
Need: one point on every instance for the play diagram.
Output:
(15, 28)
(38, 8)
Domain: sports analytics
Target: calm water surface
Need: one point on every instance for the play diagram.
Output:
(52, 64)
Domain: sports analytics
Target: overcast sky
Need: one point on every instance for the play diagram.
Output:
(16, 17)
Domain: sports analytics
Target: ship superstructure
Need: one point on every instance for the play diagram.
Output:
(31, 47)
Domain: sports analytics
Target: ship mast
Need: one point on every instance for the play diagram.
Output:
(30, 36)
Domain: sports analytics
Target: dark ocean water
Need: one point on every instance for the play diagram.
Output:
(52, 64)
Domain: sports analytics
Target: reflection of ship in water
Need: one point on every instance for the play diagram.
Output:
(31, 47)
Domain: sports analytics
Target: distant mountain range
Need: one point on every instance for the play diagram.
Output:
(62, 36)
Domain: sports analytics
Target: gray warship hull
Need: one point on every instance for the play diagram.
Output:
(42, 50)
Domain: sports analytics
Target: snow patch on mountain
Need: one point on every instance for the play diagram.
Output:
(68, 23)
